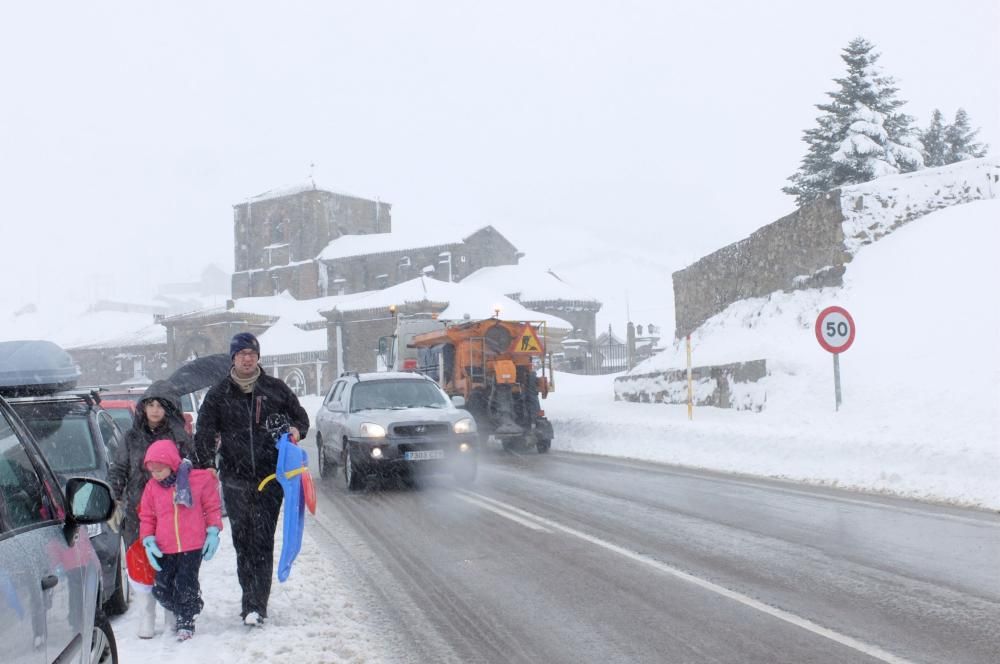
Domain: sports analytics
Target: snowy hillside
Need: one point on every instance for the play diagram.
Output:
(921, 384)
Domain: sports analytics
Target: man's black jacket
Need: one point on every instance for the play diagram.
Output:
(247, 450)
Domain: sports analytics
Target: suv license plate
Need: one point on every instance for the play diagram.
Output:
(423, 455)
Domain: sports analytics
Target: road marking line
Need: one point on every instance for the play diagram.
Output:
(791, 618)
(507, 515)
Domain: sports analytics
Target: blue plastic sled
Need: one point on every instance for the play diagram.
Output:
(292, 462)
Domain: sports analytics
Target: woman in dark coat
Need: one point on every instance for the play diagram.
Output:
(158, 416)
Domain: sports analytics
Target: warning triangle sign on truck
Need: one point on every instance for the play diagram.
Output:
(527, 341)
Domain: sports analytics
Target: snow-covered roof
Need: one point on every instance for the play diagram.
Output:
(530, 284)
(74, 329)
(95, 333)
(461, 298)
(285, 306)
(397, 241)
(284, 338)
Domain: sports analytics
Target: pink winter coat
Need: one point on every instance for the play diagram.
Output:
(178, 528)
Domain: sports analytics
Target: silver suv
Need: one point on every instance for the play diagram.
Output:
(50, 579)
(394, 422)
(78, 437)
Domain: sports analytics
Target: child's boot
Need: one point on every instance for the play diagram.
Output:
(147, 614)
(185, 628)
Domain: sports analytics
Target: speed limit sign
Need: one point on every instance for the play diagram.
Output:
(835, 329)
(835, 333)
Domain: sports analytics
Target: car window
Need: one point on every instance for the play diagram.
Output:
(387, 394)
(109, 432)
(336, 392)
(62, 431)
(122, 417)
(21, 494)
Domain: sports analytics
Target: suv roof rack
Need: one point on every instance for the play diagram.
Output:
(91, 395)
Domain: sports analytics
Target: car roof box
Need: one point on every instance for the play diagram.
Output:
(35, 367)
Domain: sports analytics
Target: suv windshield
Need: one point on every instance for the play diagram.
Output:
(388, 394)
(62, 430)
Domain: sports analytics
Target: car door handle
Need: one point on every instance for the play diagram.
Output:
(49, 581)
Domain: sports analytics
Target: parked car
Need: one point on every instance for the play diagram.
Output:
(189, 404)
(78, 438)
(74, 434)
(394, 422)
(50, 607)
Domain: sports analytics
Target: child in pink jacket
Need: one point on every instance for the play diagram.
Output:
(179, 522)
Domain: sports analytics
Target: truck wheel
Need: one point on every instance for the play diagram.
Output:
(352, 479)
(543, 445)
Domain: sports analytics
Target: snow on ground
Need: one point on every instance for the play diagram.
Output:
(313, 617)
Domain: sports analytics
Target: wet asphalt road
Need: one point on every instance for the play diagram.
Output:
(569, 558)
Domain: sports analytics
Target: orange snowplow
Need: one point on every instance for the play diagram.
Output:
(493, 364)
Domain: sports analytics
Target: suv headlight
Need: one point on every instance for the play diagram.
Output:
(466, 425)
(371, 430)
(94, 529)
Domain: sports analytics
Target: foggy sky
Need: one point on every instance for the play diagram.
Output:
(129, 130)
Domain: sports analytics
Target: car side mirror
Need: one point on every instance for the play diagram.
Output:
(458, 400)
(89, 500)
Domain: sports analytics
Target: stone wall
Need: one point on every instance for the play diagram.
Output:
(802, 250)
(874, 209)
(735, 385)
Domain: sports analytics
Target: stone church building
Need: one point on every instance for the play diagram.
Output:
(314, 243)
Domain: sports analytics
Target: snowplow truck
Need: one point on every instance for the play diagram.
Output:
(494, 365)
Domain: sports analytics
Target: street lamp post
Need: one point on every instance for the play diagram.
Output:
(446, 255)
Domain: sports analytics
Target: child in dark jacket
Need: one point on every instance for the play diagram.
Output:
(179, 522)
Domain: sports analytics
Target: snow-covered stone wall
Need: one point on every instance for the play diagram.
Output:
(811, 247)
(874, 209)
(804, 249)
(738, 385)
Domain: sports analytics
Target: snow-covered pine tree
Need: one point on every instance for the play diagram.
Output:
(935, 148)
(959, 138)
(861, 135)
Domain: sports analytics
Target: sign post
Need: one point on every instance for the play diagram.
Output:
(835, 332)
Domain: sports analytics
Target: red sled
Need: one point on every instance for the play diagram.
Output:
(139, 570)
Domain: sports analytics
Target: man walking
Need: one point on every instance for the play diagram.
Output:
(235, 411)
